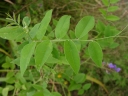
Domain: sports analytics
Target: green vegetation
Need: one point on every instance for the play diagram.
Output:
(63, 48)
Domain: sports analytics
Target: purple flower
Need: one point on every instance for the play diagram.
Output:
(112, 66)
(118, 69)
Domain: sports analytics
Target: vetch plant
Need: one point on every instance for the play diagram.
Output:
(40, 52)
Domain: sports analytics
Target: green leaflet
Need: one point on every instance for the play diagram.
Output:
(37, 87)
(100, 27)
(114, 1)
(95, 53)
(103, 11)
(79, 78)
(33, 31)
(113, 8)
(43, 51)
(84, 26)
(26, 54)
(56, 94)
(110, 31)
(72, 55)
(5, 91)
(62, 26)
(112, 18)
(39, 93)
(87, 86)
(80, 91)
(74, 87)
(26, 21)
(43, 25)
(105, 2)
(12, 33)
(46, 92)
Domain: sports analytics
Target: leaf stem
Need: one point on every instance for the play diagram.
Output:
(9, 70)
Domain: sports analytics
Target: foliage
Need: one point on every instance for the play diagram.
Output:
(48, 59)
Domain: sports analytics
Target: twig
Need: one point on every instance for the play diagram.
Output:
(9, 2)
(53, 86)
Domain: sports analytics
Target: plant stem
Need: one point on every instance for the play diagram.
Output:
(6, 53)
(63, 90)
(14, 92)
(8, 70)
